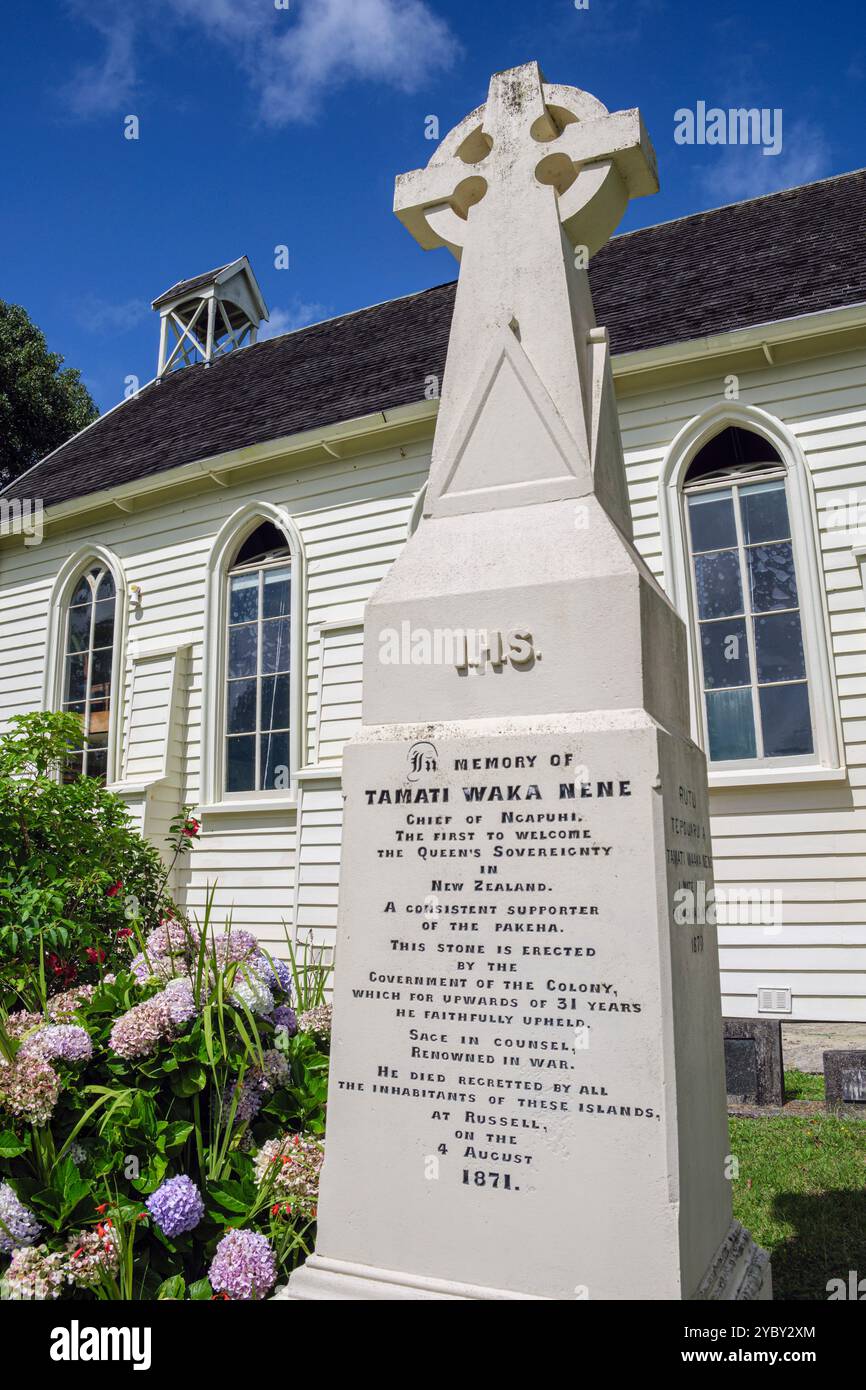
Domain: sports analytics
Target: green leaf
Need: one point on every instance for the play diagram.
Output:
(200, 1290)
(189, 1079)
(174, 1288)
(11, 1146)
(233, 1196)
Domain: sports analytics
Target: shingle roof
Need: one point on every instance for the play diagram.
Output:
(195, 282)
(770, 258)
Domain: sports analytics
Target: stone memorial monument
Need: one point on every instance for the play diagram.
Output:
(527, 1096)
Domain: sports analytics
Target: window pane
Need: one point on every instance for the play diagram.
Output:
(717, 578)
(771, 571)
(99, 718)
(241, 715)
(242, 650)
(730, 724)
(76, 678)
(275, 702)
(100, 674)
(779, 647)
(106, 587)
(82, 592)
(275, 761)
(103, 623)
(276, 601)
(241, 764)
(96, 763)
(72, 767)
(244, 598)
(725, 652)
(764, 511)
(79, 629)
(785, 720)
(711, 516)
(275, 645)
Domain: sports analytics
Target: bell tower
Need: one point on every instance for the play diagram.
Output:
(208, 316)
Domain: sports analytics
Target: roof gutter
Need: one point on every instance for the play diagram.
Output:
(762, 336)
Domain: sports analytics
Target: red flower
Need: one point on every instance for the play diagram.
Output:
(191, 828)
(116, 887)
(124, 931)
(95, 954)
(64, 970)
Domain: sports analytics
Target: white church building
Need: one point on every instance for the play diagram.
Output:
(210, 544)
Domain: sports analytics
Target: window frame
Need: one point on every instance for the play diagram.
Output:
(734, 481)
(215, 796)
(824, 762)
(73, 570)
(259, 568)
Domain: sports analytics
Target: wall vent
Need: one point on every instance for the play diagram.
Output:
(774, 1001)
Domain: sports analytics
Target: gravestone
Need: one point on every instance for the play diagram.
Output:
(527, 1089)
(753, 1061)
(845, 1078)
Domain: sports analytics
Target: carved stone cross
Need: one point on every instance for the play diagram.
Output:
(523, 191)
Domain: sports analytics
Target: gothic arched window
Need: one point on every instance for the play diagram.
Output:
(258, 646)
(746, 602)
(88, 661)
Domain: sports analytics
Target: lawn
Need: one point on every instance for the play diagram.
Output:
(801, 1191)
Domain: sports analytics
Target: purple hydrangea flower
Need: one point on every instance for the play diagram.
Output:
(284, 1017)
(234, 945)
(20, 1226)
(172, 938)
(176, 1206)
(275, 973)
(180, 1000)
(146, 968)
(138, 1032)
(29, 1088)
(58, 1042)
(250, 1094)
(244, 1266)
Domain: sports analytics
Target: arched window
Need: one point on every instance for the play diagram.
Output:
(747, 595)
(258, 676)
(89, 631)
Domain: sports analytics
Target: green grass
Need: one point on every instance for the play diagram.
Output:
(801, 1191)
(802, 1085)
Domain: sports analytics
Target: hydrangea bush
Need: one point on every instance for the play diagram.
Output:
(161, 1130)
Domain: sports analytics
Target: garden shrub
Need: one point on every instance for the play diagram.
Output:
(74, 870)
(162, 1108)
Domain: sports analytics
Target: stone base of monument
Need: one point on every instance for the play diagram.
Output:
(739, 1272)
(527, 1085)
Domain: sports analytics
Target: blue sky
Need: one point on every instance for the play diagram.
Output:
(262, 125)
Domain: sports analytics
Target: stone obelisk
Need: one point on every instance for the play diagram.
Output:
(527, 1092)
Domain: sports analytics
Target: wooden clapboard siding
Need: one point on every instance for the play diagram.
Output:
(806, 842)
(282, 870)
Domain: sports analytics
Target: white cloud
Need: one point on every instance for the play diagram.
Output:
(744, 171)
(291, 59)
(110, 82)
(298, 315)
(102, 316)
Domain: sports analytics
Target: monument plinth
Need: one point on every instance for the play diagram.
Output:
(527, 1095)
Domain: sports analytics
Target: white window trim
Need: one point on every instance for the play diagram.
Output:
(214, 798)
(814, 614)
(58, 604)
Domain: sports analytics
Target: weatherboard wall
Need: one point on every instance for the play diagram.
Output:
(278, 870)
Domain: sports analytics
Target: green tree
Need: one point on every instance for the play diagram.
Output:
(41, 406)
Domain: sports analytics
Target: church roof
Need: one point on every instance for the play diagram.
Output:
(774, 257)
(196, 282)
